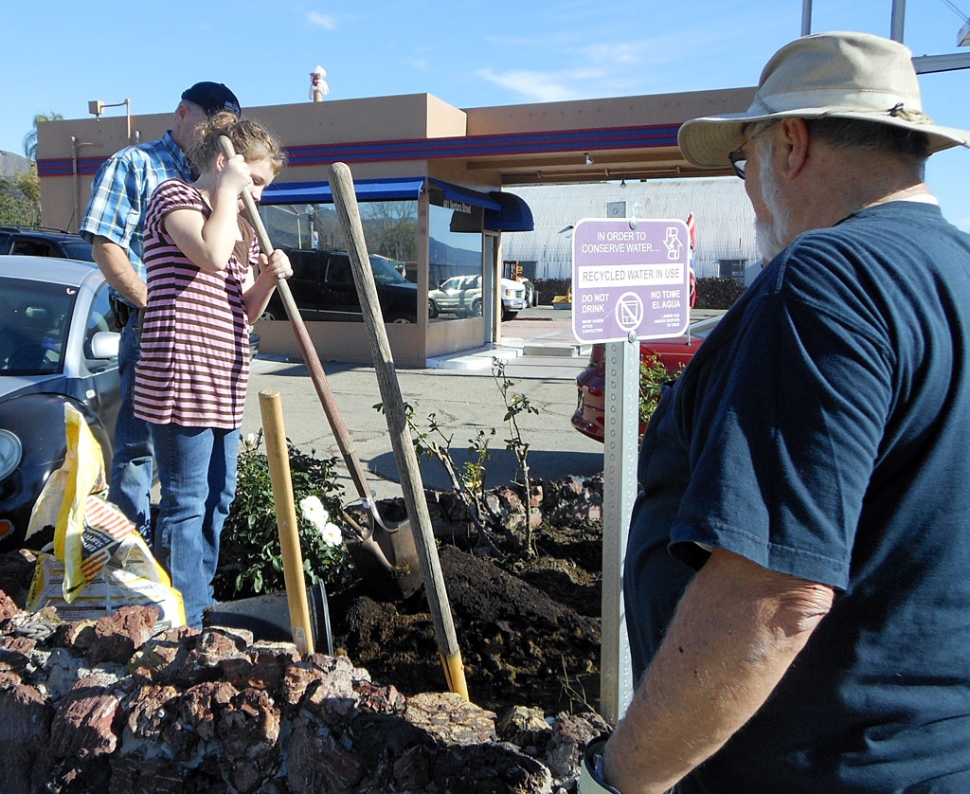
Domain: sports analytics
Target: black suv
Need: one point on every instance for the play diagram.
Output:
(323, 288)
(44, 242)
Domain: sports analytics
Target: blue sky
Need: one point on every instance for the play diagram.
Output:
(57, 55)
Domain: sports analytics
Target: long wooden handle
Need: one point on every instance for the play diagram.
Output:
(271, 409)
(309, 353)
(345, 200)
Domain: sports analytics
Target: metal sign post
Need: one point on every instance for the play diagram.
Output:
(630, 282)
(619, 491)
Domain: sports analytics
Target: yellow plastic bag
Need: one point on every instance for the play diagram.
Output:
(100, 562)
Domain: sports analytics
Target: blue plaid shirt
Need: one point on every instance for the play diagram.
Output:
(122, 188)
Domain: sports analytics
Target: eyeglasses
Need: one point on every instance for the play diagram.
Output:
(739, 160)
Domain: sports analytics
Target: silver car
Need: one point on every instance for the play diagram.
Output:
(58, 345)
(462, 296)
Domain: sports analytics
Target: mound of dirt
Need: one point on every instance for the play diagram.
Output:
(529, 635)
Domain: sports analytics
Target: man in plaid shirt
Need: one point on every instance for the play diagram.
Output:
(114, 223)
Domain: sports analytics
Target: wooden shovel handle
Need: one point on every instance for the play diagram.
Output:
(308, 351)
(345, 200)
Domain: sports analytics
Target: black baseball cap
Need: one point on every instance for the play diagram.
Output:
(212, 97)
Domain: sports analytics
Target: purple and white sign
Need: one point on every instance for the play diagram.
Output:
(630, 276)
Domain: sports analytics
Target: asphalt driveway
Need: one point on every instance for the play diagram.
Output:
(542, 361)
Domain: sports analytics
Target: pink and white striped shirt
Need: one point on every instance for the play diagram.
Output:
(194, 363)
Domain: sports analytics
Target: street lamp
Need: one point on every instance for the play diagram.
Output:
(96, 108)
(311, 214)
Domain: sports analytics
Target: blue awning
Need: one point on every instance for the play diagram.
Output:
(466, 195)
(514, 215)
(320, 193)
(504, 212)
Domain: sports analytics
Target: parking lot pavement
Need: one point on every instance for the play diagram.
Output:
(462, 394)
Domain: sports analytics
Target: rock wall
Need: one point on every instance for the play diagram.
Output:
(108, 706)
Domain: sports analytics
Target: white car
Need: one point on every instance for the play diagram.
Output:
(462, 296)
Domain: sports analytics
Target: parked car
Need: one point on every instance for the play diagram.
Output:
(674, 354)
(531, 296)
(323, 288)
(44, 242)
(462, 296)
(57, 347)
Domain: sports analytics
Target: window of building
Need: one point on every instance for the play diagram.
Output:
(455, 261)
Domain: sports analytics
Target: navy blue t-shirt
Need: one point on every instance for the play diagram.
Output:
(823, 431)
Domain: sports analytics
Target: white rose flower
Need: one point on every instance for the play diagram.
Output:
(332, 535)
(314, 512)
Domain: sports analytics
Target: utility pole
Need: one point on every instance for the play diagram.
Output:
(924, 64)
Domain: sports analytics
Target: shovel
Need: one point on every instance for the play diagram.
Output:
(345, 200)
(384, 553)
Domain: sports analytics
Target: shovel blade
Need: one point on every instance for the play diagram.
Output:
(397, 546)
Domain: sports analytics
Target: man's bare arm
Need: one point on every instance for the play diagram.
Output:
(736, 631)
(118, 270)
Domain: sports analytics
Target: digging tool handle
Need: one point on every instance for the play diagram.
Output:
(345, 200)
(271, 409)
(309, 353)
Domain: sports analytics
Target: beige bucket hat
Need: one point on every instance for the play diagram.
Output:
(844, 75)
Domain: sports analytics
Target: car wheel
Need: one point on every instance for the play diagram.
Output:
(400, 320)
(476, 308)
(508, 315)
(267, 315)
(432, 309)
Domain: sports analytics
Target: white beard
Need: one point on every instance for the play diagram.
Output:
(768, 239)
(773, 233)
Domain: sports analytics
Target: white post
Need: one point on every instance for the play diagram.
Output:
(619, 492)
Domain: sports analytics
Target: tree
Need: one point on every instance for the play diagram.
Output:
(30, 139)
(391, 229)
(20, 200)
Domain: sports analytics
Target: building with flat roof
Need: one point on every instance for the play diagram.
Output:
(429, 179)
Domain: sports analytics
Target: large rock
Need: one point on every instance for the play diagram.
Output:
(118, 636)
(318, 762)
(83, 724)
(8, 608)
(25, 730)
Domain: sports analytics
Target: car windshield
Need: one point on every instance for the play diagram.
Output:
(34, 318)
(78, 249)
(385, 271)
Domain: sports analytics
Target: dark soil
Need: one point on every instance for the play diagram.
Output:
(528, 630)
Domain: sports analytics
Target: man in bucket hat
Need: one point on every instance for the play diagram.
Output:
(796, 578)
(114, 223)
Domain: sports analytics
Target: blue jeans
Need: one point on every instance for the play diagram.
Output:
(197, 469)
(131, 465)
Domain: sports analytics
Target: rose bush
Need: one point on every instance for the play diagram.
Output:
(251, 561)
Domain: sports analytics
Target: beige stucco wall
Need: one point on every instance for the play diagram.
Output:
(413, 116)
